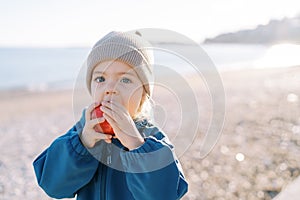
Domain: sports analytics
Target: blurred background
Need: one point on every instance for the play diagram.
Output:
(45, 36)
(255, 45)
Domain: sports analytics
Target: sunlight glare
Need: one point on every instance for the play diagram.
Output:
(280, 55)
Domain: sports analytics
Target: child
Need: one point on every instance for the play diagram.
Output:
(138, 161)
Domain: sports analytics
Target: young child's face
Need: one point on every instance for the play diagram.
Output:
(117, 81)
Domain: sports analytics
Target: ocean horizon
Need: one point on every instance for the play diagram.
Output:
(38, 69)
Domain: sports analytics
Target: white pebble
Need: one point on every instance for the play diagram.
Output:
(296, 129)
(283, 166)
(224, 149)
(292, 98)
(239, 157)
(260, 194)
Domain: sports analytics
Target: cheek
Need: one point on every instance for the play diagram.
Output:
(134, 100)
(96, 92)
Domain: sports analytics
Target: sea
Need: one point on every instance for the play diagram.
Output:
(40, 69)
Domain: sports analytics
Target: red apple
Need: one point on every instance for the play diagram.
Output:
(105, 126)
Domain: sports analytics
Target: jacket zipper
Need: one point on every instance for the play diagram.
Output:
(103, 182)
(105, 170)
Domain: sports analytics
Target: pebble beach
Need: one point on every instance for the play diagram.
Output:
(256, 156)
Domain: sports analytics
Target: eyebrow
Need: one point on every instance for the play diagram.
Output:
(119, 73)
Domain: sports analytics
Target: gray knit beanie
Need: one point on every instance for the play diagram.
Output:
(127, 47)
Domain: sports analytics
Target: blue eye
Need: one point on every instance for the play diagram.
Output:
(100, 79)
(126, 80)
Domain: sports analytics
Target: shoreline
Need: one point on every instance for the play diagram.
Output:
(69, 85)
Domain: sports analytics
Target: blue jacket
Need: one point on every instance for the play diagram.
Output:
(109, 171)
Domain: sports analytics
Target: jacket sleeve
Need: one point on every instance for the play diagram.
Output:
(66, 166)
(153, 171)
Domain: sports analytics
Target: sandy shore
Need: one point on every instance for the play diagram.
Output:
(256, 157)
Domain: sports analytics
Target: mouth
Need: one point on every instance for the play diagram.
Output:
(107, 98)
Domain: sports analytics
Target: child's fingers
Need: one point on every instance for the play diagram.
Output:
(108, 141)
(89, 110)
(91, 137)
(115, 106)
(111, 121)
(110, 112)
(96, 121)
(101, 136)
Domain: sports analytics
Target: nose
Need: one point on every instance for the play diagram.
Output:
(107, 92)
(111, 88)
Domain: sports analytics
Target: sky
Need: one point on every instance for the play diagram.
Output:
(80, 23)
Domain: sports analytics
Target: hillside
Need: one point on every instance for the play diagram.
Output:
(276, 31)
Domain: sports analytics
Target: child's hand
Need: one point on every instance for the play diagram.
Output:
(89, 136)
(122, 124)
